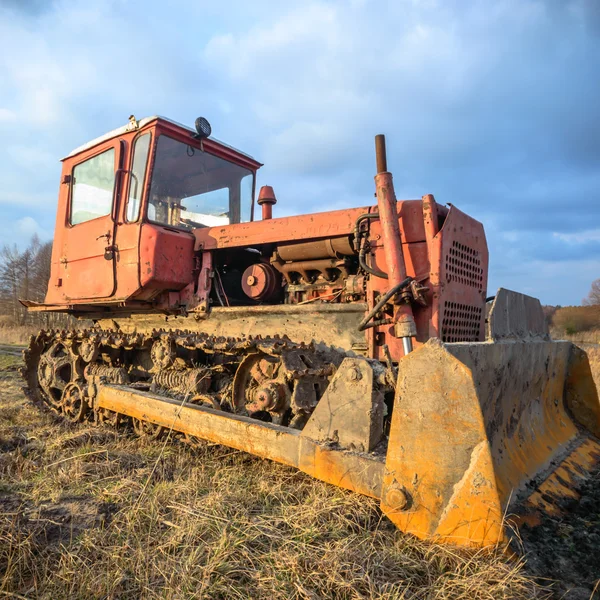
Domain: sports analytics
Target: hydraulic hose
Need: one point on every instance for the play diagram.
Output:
(364, 324)
(361, 246)
(363, 263)
(361, 218)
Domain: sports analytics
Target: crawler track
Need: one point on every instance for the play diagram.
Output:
(271, 379)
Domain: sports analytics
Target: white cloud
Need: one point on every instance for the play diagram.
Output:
(580, 237)
(539, 279)
(20, 231)
(28, 226)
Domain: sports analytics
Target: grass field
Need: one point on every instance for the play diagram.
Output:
(87, 513)
(583, 337)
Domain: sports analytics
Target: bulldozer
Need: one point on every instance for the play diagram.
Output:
(356, 345)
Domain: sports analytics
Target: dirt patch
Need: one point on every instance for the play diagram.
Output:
(567, 549)
(56, 522)
(17, 440)
(99, 436)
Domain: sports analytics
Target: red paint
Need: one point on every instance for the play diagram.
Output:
(166, 258)
(145, 267)
(266, 199)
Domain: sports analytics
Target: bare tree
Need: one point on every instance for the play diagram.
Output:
(10, 282)
(24, 275)
(594, 296)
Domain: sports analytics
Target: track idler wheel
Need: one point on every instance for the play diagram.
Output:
(74, 403)
(108, 417)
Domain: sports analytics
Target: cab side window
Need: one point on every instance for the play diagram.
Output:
(92, 188)
(137, 175)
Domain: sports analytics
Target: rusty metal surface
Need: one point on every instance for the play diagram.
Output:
(258, 376)
(335, 324)
(390, 231)
(476, 429)
(562, 484)
(436, 451)
(166, 258)
(330, 247)
(350, 412)
(331, 224)
(459, 273)
(261, 282)
(80, 271)
(266, 200)
(403, 320)
(592, 352)
(515, 316)
(380, 153)
(430, 218)
(583, 387)
(266, 440)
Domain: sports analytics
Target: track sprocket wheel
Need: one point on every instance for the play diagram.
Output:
(74, 403)
(260, 387)
(57, 367)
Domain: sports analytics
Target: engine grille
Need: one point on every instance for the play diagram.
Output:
(461, 322)
(463, 265)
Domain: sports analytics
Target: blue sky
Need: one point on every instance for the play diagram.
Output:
(493, 106)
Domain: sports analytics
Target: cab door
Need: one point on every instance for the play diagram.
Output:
(130, 216)
(88, 253)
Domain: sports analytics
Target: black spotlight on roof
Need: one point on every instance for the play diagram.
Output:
(203, 128)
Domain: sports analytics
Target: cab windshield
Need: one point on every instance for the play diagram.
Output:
(191, 188)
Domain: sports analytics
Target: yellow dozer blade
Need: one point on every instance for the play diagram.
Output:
(482, 436)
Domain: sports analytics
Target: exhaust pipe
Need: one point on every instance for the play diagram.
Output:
(392, 243)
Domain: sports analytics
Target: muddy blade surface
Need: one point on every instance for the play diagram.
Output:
(491, 435)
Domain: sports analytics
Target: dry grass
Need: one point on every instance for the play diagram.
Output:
(582, 337)
(577, 321)
(16, 335)
(85, 513)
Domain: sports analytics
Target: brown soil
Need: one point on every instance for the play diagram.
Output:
(567, 549)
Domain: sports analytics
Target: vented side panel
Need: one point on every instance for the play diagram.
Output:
(463, 279)
(463, 264)
(461, 322)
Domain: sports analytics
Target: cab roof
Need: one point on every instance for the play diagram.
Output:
(141, 123)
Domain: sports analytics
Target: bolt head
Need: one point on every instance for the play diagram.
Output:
(355, 374)
(396, 498)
